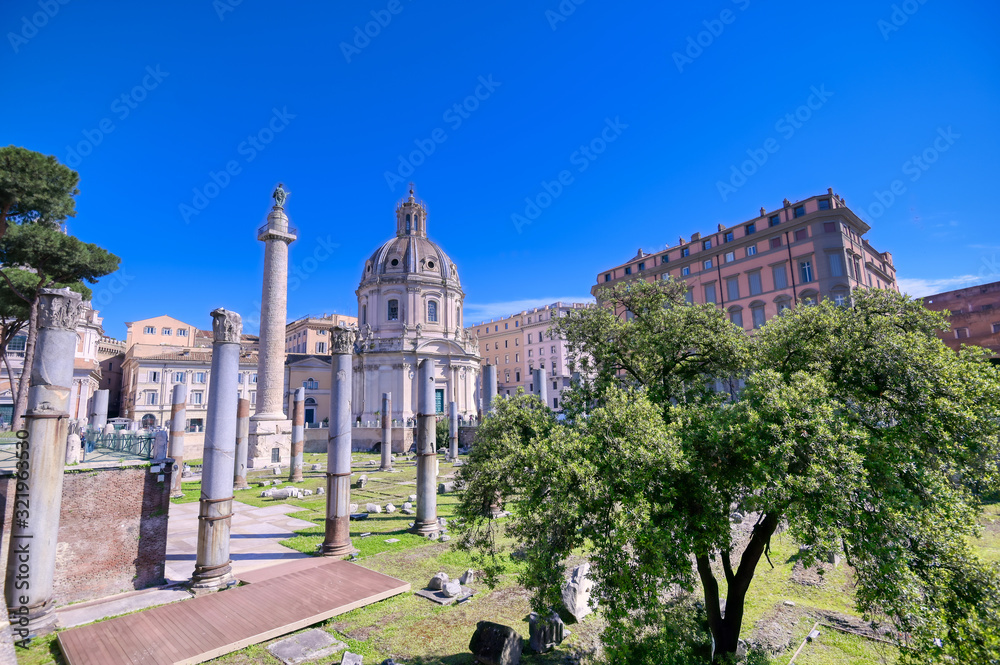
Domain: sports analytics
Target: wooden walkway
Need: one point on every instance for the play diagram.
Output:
(277, 600)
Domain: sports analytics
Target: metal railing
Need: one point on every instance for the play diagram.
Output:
(278, 228)
(122, 442)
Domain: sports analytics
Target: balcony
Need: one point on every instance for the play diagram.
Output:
(276, 229)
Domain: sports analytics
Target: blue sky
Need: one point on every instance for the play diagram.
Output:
(643, 108)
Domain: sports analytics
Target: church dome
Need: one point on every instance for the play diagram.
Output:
(411, 253)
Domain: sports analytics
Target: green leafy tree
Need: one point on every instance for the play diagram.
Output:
(56, 259)
(34, 187)
(855, 427)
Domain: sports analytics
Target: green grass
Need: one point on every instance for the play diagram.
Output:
(836, 648)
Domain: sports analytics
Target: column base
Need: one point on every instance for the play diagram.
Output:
(426, 529)
(41, 621)
(338, 538)
(210, 580)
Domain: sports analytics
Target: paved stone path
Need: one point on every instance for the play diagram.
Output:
(254, 540)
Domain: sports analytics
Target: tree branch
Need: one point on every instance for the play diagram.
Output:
(727, 566)
(14, 288)
(711, 595)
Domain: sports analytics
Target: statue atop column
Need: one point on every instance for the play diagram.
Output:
(279, 195)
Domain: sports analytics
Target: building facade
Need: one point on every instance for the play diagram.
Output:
(799, 253)
(311, 372)
(519, 343)
(310, 334)
(110, 354)
(974, 313)
(161, 352)
(410, 302)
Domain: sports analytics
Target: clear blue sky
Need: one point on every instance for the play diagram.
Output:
(199, 79)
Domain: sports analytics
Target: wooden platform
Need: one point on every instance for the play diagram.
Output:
(278, 600)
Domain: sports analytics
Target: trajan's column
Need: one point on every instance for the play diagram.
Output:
(269, 427)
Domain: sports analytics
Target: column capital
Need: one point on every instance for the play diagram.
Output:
(342, 339)
(226, 326)
(59, 308)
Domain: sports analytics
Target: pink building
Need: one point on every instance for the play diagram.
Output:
(799, 253)
(521, 342)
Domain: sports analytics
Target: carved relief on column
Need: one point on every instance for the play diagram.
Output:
(226, 326)
(59, 308)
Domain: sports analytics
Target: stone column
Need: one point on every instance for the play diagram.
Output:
(178, 421)
(212, 564)
(276, 236)
(298, 435)
(99, 410)
(41, 446)
(489, 387)
(242, 444)
(337, 541)
(426, 523)
(386, 432)
(541, 387)
(452, 431)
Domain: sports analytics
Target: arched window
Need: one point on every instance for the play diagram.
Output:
(392, 312)
(310, 384)
(364, 314)
(458, 315)
(148, 421)
(432, 311)
(736, 316)
(757, 313)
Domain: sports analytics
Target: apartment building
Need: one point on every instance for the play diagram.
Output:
(309, 334)
(797, 254)
(974, 313)
(110, 354)
(519, 343)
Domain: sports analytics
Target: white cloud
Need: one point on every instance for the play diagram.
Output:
(479, 312)
(918, 288)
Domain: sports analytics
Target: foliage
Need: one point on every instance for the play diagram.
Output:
(34, 187)
(855, 426)
(55, 256)
(441, 433)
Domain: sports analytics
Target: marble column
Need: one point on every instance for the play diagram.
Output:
(178, 421)
(426, 523)
(337, 540)
(298, 435)
(276, 236)
(386, 432)
(541, 385)
(452, 431)
(489, 387)
(212, 564)
(242, 444)
(99, 410)
(41, 448)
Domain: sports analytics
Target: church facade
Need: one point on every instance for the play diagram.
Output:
(410, 308)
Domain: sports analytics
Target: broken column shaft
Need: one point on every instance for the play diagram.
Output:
(298, 435)
(242, 444)
(212, 564)
(41, 453)
(426, 522)
(337, 540)
(178, 419)
(386, 432)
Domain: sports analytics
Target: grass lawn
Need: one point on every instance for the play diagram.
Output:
(416, 631)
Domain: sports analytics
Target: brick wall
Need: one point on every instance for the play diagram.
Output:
(112, 531)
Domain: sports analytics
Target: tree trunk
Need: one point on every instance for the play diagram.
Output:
(21, 404)
(726, 627)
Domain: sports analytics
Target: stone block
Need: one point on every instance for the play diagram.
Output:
(353, 508)
(407, 504)
(411, 498)
(320, 490)
(362, 481)
(373, 508)
(408, 511)
(304, 647)
(351, 659)
(494, 644)
(468, 577)
(544, 633)
(576, 592)
(307, 492)
(452, 589)
(316, 467)
(389, 508)
(277, 470)
(445, 488)
(438, 581)
(444, 538)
